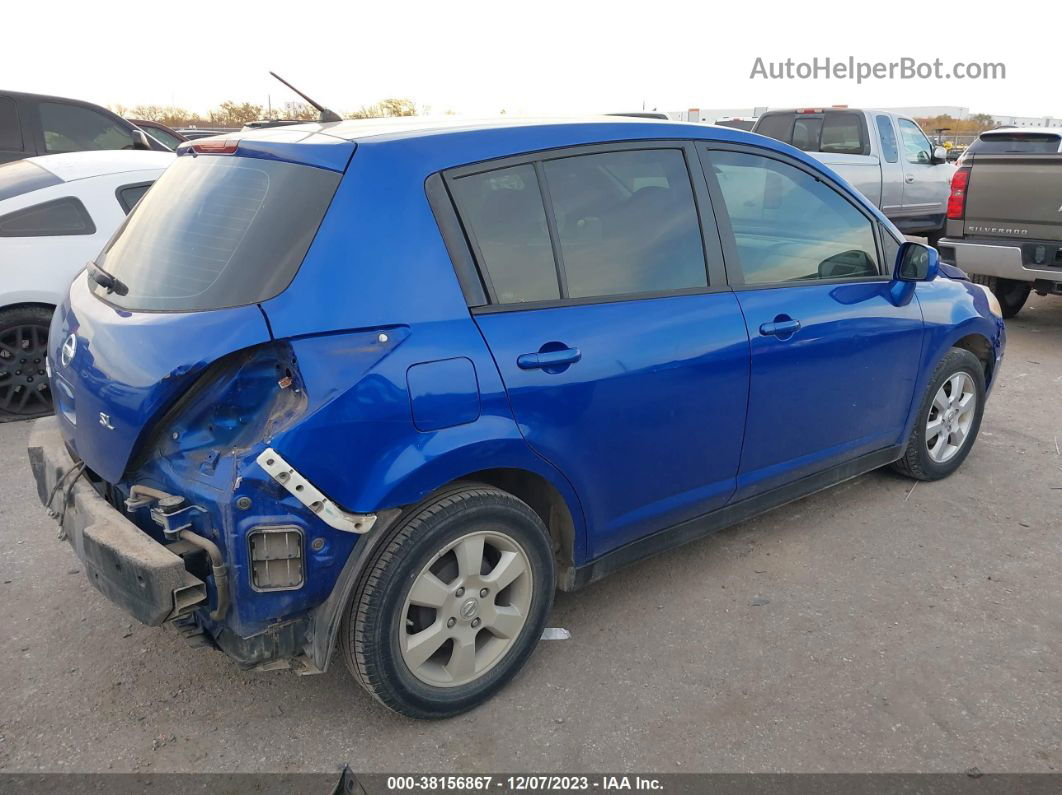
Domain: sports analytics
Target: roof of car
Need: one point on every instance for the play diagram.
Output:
(71, 166)
(422, 126)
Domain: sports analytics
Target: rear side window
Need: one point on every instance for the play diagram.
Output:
(66, 216)
(626, 223)
(75, 128)
(22, 176)
(1017, 143)
(217, 231)
(10, 129)
(506, 222)
(888, 139)
(129, 195)
(790, 226)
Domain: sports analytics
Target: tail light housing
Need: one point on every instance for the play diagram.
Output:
(960, 183)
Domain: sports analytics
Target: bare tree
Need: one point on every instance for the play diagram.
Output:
(385, 108)
(233, 114)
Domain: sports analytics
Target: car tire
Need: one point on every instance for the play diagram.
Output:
(1011, 293)
(946, 427)
(469, 574)
(933, 238)
(24, 390)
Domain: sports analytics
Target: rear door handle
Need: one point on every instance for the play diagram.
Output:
(780, 328)
(537, 361)
(908, 178)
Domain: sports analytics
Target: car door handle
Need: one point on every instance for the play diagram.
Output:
(908, 178)
(537, 361)
(780, 328)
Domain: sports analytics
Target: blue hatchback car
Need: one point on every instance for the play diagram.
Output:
(385, 386)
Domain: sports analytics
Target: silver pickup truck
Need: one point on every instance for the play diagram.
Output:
(885, 156)
(1005, 214)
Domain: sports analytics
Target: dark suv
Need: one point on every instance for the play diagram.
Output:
(36, 124)
(385, 386)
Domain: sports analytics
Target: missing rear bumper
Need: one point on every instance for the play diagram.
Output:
(123, 562)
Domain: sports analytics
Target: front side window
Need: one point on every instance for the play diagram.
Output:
(888, 139)
(74, 128)
(789, 226)
(503, 215)
(916, 148)
(66, 216)
(626, 223)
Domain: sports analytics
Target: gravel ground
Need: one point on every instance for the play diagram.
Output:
(873, 627)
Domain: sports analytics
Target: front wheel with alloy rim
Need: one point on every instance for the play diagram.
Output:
(452, 605)
(948, 418)
(24, 390)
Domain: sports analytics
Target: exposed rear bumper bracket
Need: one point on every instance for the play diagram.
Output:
(309, 495)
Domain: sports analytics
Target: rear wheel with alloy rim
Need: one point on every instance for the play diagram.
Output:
(948, 419)
(453, 605)
(24, 390)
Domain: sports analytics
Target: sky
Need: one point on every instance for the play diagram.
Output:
(540, 58)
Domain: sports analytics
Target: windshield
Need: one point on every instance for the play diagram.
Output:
(217, 231)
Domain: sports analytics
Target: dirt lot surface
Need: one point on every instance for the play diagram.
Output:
(873, 627)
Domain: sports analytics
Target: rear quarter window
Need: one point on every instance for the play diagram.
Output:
(66, 216)
(889, 150)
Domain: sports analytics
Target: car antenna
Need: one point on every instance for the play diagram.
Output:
(324, 114)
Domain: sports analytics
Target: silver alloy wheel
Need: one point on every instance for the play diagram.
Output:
(950, 417)
(465, 609)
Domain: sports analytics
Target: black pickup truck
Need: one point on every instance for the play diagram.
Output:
(1004, 220)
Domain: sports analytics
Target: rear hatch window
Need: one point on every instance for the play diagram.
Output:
(217, 231)
(1017, 143)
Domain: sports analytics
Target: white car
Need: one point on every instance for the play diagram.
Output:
(56, 214)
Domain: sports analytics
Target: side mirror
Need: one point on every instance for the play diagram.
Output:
(140, 140)
(940, 155)
(916, 263)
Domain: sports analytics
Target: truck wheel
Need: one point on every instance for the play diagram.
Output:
(24, 390)
(453, 605)
(948, 418)
(1011, 293)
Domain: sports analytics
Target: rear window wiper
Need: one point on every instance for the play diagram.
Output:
(109, 282)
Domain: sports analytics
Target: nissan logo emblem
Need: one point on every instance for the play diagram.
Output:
(69, 349)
